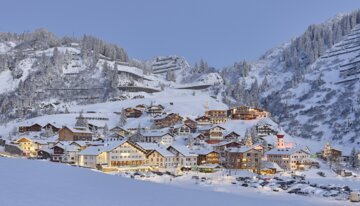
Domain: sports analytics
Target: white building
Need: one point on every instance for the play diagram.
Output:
(92, 156)
(287, 156)
(184, 156)
(158, 156)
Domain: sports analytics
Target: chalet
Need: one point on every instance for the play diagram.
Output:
(96, 125)
(74, 134)
(184, 157)
(153, 136)
(71, 154)
(57, 153)
(192, 124)
(217, 116)
(41, 143)
(125, 154)
(44, 153)
(243, 158)
(231, 136)
(200, 139)
(264, 130)
(158, 157)
(330, 153)
(246, 113)
(52, 126)
(92, 156)
(27, 146)
(206, 156)
(154, 110)
(31, 128)
(216, 133)
(167, 121)
(120, 131)
(203, 120)
(222, 146)
(112, 138)
(182, 130)
(269, 168)
(141, 107)
(80, 144)
(132, 113)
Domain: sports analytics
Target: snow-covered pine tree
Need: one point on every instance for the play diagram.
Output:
(122, 120)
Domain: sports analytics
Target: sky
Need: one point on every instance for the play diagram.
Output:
(220, 32)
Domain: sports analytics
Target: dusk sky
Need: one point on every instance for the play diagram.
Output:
(220, 32)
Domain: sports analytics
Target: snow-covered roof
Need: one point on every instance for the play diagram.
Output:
(112, 145)
(223, 143)
(184, 150)
(239, 149)
(204, 151)
(270, 165)
(92, 150)
(285, 151)
(79, 130)
(154, 133)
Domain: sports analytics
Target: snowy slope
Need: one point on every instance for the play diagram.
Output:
(66, 185)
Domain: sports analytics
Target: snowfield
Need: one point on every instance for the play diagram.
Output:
(41, 183)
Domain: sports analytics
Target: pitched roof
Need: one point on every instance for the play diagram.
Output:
(78, 130)
(285, 151)
(183, 150)
(92, 150)
(239, 149)
(154, 133)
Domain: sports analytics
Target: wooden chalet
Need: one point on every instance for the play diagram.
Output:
(200, 139)
(217, 116)
(264, 130)
(167, 121)
(231, 136)
(246, 113)
(154, 110)
(132, 113)
(191, 123)
(141, 107)
(74, 134)
(243, 158)
(32, 128)
(208, 157)
(52, 127)
(203, 120)
(57, 154)
(44, 154)
(222, 146)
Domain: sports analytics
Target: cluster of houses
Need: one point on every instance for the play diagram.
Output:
(174, 142)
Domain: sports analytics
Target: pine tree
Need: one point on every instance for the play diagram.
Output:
(249, 141)
(106, 129)
(353, 158)
(81, 121)
(122, 121)
(138, 130)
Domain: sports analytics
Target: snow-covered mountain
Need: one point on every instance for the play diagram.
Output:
(43, 74)
(310, 84)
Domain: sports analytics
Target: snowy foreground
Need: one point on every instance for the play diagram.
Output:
(32, 182)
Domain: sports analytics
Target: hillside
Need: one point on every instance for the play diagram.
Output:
(300, 82)
(59, 184)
